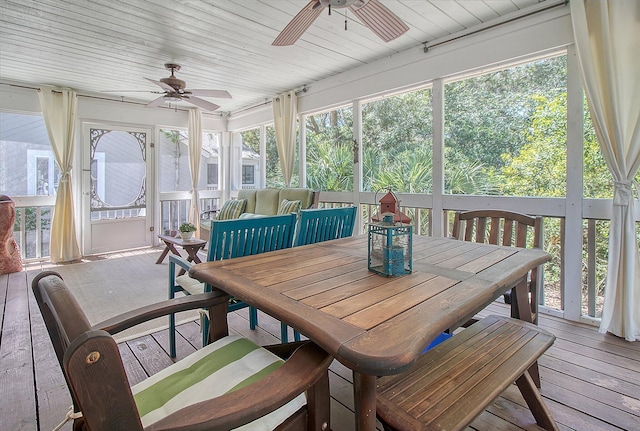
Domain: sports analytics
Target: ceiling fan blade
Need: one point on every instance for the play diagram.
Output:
(131, 91)
(299, 24)
(380, 20)
(218, 94)
(164, 86)
(204, 104)
(156, 102)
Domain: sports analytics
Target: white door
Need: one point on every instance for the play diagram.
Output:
(117, 202)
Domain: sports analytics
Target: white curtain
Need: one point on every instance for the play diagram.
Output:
(285, 113)
(607, 36)
(59, 111)
(195, 152)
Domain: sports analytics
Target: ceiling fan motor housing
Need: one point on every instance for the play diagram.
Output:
(342, 3)
(175, 83)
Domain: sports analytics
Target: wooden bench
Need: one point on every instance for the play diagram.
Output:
(455, 381)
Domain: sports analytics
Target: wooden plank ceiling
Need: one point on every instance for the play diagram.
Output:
(108, 47)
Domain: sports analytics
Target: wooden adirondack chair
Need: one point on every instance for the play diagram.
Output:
(318, 225)
(230, 239)
(292, 395)
(503, 228)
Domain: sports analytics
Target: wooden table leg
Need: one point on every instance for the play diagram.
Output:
(364, 392)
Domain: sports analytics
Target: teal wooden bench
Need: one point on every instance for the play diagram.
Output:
(230, 239)
(324, 224)
(455, 381)
(319, 225)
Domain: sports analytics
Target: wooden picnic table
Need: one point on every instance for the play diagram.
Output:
(372, 324)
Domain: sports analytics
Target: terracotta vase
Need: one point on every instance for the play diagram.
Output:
(10, 260)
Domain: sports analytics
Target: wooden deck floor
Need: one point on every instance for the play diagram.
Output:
(590, 381)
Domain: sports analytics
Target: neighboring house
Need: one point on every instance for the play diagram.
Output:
(24, 144)
(250, 168)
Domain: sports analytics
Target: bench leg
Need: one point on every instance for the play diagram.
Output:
(521, 309)
(535, 402)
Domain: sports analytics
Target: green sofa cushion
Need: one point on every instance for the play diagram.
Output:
(305, 196)
(267, 201)
(250, 196)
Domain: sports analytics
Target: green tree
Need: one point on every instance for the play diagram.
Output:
(330, 167)
(486, 115)
(397, 143)
(539, 167)
(179, 139)
(330, 150)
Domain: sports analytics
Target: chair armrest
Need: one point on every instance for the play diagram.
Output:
(300, 372)
(180, 261)
(134, 317)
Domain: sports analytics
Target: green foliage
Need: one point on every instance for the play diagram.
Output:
(486, 115)
(408, 171)
(330, 150)
(330, 167)
(251, 139)
(31, 219)
(397, 143)
(467, 177)
(187, 227)
(539, 167)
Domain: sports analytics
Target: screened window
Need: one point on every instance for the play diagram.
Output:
(173, 169)
(274, 170)
(397, 143)
(28, 168)
(272, 161)
(27, 163)
(330, 150)
(505, 131)
(250, 157)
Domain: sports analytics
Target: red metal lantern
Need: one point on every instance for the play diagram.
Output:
(390, 204)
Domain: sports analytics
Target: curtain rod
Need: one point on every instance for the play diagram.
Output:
(427, 46)
(86, 96)
(266, 102)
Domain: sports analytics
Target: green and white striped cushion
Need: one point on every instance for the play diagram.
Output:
(232, 209)
(226, 365)
(288, 207)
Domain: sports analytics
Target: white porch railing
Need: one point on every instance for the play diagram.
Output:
(32, 229)
(34, 215)
(176, 206)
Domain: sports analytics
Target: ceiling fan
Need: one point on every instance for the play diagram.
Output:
(373, 14)
(175, 90)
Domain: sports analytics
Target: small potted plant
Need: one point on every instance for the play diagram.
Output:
(186, 231)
